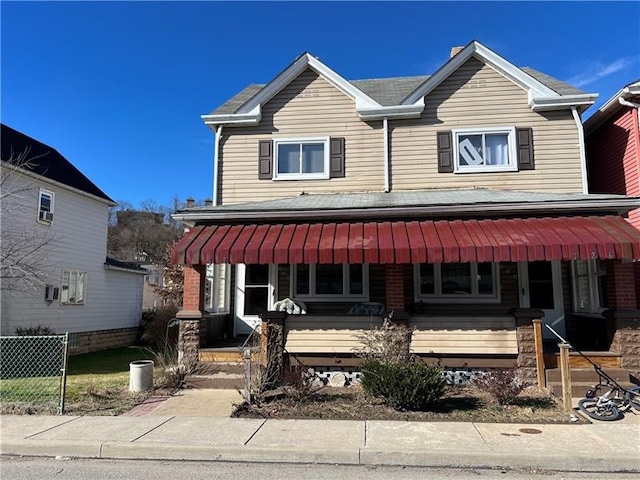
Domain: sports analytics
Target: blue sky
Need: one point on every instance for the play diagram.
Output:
(119, 87)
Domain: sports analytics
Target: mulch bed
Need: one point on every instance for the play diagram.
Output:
(460, 404)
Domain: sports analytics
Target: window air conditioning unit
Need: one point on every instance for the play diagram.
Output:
(46, 216)
(51, 293)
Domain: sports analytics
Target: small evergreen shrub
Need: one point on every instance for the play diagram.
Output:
(503, 385)
(403, 385)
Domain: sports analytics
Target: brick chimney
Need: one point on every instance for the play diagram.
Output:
(455, 51)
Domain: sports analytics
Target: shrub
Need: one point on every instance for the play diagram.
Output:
(503, 385)
(37, 331)
(403, 385)
(300, 382)
(155, 331)
(387, 343)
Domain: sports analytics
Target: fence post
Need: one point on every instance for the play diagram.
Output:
(63, 380)
(540, 367)
(565, 374)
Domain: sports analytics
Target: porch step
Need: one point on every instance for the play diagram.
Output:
(604, 359)
(216, 375)
(583, 379)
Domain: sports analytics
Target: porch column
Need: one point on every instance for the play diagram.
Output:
(192, 314)
(624, 316)
(527, 362)
(395, 286)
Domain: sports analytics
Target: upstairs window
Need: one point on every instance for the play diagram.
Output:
(490, 149)
(457, 282)
(302, 159)
(484, 150)
(330, 282)
(315, 158)
(45, 206)
(73, 287)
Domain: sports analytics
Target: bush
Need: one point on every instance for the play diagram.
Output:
(155, 331)
(300, 382)
(387, 343)
(405, 385)
(503, 385)
(38, 331)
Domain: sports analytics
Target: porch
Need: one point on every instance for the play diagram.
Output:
(470, 289)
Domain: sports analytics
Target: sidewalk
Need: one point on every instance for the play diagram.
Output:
(161, 433)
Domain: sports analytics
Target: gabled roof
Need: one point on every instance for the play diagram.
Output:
(612, 105)
(45, 161)
(399, 96)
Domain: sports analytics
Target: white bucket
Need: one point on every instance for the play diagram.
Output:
(140, 375)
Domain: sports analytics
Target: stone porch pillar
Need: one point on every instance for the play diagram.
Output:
(272, 346)
(527, 364)
(624, 315)
(192, 314)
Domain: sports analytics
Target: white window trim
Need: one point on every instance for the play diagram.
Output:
(512, 166)
(214, 279)
(84, 288)
(51, 194)
(474, 297)
(592, 274)
(312, 296)
(301, 176)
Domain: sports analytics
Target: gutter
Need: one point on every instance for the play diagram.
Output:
(621, 206)
(541, 104)
(216, 161)
(387, 160)
(583, 154)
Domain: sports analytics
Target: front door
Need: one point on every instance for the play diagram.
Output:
(541, 287)
(254, 294)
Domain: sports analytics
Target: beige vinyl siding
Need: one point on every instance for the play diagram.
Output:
(464, 335)
(312, 334)
(477, 96)
(307, 107)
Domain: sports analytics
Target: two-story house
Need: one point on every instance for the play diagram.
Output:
(612, 137)
(55, 270)
(458, 201)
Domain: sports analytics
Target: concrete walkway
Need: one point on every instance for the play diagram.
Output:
(189, 428)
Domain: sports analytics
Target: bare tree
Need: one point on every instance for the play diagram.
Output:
(25, 249)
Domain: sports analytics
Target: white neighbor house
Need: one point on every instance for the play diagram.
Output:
(96, 299)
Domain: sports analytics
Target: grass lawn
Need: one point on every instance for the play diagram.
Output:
(97, 383)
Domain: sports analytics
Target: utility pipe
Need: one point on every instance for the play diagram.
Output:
(583, 155)
(216, 155)
(387, 160)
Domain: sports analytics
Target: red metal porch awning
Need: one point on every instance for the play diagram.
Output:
(439, 241)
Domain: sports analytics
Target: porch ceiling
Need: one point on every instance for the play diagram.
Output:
(441, 241)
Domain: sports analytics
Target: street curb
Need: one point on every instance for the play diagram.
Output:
(355, 456)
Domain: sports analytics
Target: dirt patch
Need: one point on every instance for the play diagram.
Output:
(460, 404)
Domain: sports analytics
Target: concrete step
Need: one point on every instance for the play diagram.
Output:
(583, 379)
(223, 376)
(588, 375)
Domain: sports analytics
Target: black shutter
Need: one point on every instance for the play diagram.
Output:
(445, 153)
(265, 159)
(336, 157)
(524, 140)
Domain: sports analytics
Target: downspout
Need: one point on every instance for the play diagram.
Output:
(216, 159)
(387, 160)
(583, 155)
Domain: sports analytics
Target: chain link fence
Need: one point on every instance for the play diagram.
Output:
(33, 373)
